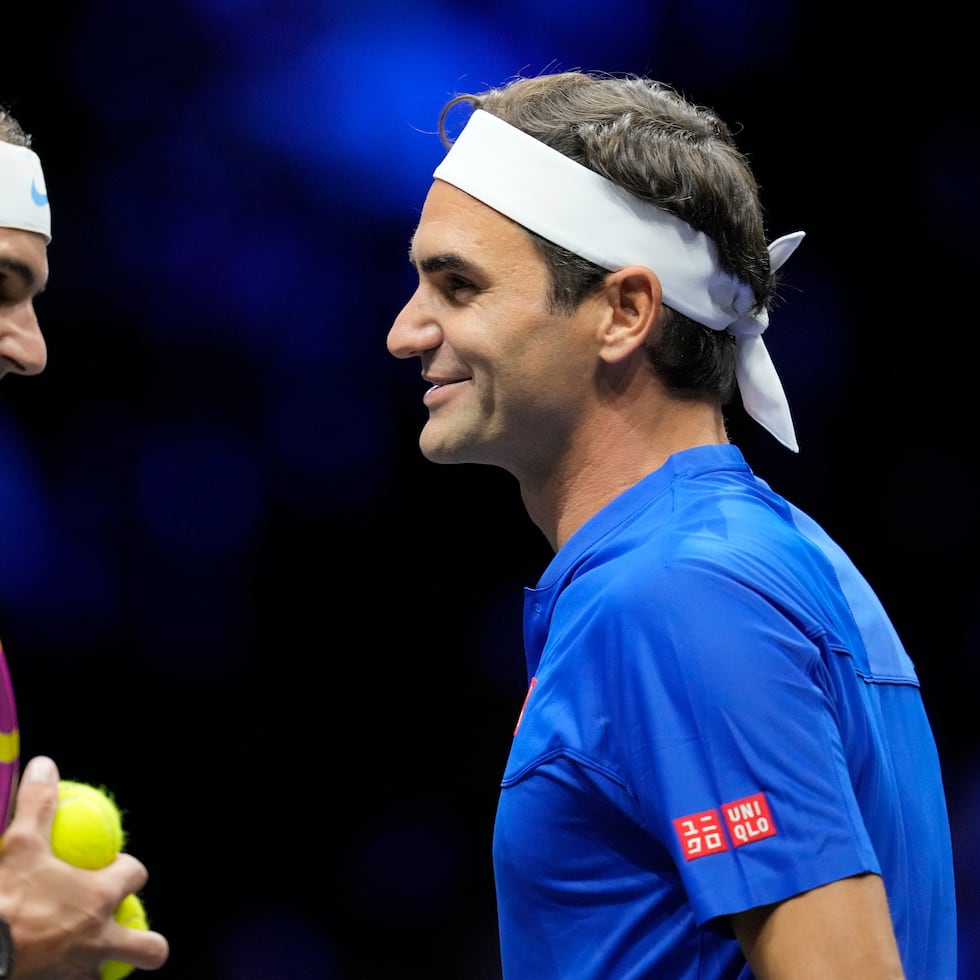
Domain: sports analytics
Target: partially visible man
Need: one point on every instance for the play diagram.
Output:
(56, 921)
(723, 767)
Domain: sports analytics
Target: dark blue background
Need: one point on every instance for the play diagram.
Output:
(230, 587)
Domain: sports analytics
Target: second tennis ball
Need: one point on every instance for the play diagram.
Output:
(87, 829)
(132, 915)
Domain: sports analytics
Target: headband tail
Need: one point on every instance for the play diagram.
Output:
(762, 392)
(782, 248)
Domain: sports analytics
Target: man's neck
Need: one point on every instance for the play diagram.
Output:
(611, 454)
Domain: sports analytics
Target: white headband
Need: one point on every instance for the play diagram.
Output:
(580, 210)
(23, 196)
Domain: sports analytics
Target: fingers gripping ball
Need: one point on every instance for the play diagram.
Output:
(87, 829)
(87, 832)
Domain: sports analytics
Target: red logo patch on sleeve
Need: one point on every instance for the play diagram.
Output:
(749, 820)
(700, 834)
(527, 698)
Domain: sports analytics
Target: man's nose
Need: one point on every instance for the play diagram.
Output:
(413, 331)
(22, 344)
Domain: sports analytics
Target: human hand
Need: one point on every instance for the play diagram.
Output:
(61, 917)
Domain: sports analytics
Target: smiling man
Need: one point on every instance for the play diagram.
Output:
(722, 767)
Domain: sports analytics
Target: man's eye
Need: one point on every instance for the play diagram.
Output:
(456, 285)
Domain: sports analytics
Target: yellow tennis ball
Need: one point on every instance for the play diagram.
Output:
(87, 829)
(131, 914)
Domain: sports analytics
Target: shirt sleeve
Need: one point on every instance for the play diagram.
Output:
(730, 740)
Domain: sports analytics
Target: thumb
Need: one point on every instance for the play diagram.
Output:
(37, 794)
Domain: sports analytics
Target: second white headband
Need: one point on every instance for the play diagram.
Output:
(23, 195)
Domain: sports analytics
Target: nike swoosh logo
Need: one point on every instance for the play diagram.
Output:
(39, 199)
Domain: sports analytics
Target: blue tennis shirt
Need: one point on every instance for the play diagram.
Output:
(720, 716)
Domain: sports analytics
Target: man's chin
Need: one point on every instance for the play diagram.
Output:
(440, 453)
(444, 448)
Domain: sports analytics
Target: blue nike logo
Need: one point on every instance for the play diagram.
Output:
(39, 199)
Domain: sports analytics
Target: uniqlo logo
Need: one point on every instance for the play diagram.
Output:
(749, 820)
(700, 834)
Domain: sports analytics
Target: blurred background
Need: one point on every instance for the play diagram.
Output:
(232, 590)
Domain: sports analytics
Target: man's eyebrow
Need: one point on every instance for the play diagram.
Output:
(20, 269)
(443, 262)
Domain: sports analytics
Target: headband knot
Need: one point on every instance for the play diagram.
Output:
(749, 325)
(758, 383)
(580, 210)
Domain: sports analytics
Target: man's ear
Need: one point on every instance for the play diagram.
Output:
(633, 297)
